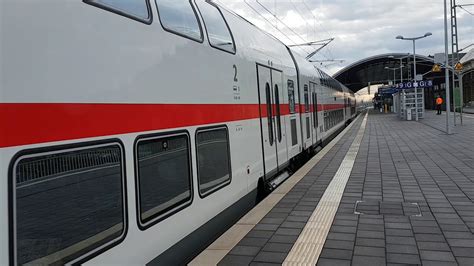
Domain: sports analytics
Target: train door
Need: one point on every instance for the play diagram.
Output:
(314, 109)
(267, 121)
(280, 125)
(307, 127)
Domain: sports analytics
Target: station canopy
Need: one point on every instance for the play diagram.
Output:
(374, 70)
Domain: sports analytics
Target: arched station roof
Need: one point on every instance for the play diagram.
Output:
(372, 69)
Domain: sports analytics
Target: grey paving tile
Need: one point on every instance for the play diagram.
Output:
(430, 237)
(370, 234)
(441, 246)
(366, 260)
(369, 251)
(336, 254)
(297, 225)
(235, 260)
(401, 249)
(437, 255)
(282, 239)
(272, 221)
(340, 244)
(288, 231)
(333, 262)
(275, 257)
(266, 227)
(245, 250)
(403, 258)
(465, 261)
(370, 242)
(465, 243)
(438, 263)
(263, 264)
(463, 252)
(253, 241)
(341, 236)
(398, 232)
(278, 247)
(400, 240)
(260, 234)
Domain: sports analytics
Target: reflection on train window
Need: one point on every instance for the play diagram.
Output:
(291, 96)
(278, 113)
(68, 203)
(178, 16)
(212, 148)
(137, 9)
(306, 99)
(164, 175)
(294, 137)
(218, 31)
(269, 113)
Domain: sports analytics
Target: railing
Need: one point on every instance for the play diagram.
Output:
(45, 166)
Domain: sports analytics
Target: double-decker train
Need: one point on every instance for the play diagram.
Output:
(132, 130)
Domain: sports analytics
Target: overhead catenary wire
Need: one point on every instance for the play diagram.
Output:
(469, 12)
(304, 19)
(284, 34)
(271, 13)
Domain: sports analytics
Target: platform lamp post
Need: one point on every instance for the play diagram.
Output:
(413, 39)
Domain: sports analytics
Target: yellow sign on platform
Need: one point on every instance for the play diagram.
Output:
(436, 68)
(458, 66)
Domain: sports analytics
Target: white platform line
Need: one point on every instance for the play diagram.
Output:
(309, 244)
(226, 242)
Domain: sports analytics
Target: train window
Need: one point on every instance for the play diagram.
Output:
(308, 126)
(67, 203)
(306, 99)
(135, 9)
(213, 159)
(179, 17)
(163, 176)
(315, 111)
(294, 137)
(269, 113)
(291, 96)
(218, 31)
(278, 114)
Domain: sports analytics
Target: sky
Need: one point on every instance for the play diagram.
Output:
(361, 28)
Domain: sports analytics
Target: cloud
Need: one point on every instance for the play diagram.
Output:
(362, 28)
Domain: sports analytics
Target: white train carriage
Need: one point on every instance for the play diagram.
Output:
(135, 130)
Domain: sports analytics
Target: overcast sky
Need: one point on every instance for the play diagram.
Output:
(361, 28)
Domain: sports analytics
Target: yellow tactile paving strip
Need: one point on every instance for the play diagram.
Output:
(219, 249)
(309, 244)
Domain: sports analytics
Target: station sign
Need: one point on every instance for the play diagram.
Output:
(415, 84)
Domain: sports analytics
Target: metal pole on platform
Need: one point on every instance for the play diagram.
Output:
(414, 74)
(399, 37)
(446, 73)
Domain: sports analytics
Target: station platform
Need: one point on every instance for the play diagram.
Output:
(383, 192)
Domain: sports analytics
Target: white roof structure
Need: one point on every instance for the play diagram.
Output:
(468, 57)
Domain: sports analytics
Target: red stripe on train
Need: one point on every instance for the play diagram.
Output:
(30, 123)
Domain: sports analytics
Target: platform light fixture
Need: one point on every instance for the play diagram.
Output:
(413, 39)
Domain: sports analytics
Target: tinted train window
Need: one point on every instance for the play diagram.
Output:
(294, 137)
(306, 99)
(137, 9)
(164, 175)
(218, 31)
(68, 203)
(291, 96)
(278, 113)
(213, 160)
(269, 113)
(178, 16)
